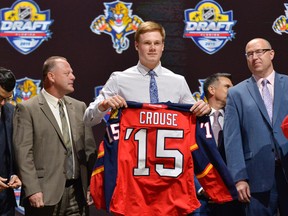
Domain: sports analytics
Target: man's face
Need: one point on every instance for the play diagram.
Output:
(4, 96)
(63, 77)
(150, 48)
(221, 89)
(259, 58)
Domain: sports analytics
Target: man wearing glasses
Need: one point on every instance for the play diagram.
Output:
(256, 149)
(8, 179)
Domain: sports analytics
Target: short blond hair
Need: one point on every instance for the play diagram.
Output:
(149, 26)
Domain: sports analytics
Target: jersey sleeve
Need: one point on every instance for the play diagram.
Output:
(210, 169)
(97, 180)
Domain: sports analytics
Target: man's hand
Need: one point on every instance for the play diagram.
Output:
(36, 200)
(3, 184)
(243, 191)
(89, 198)
(14, 182)
(114, 102)
(200, 108)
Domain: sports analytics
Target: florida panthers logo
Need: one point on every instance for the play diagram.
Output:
(118, 22)
(200, 95)
(25, 88)
(280, 25)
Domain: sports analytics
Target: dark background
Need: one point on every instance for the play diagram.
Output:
(93, 58)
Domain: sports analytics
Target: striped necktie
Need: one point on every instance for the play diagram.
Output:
(216, 127)
(67, 141)
(268, 101)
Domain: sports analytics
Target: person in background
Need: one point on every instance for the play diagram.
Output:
(8, 178)
(138, 82)
(256, 149)
(54, 150)
(216, 89)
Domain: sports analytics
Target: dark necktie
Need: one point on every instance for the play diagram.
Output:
(267, 98)
(67, 141)
(216, 127)
(153, 88)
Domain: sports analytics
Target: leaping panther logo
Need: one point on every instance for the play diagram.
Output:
(118, 22)
(25, 88)
(280, 25)
(200, 95)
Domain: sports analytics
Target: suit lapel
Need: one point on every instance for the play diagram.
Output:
(48, 113)
(278, 94)
(7, 113)
(7, 117)
(255, 94)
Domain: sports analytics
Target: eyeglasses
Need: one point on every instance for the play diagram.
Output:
(258, 52)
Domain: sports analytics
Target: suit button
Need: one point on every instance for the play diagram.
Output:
(273, 150)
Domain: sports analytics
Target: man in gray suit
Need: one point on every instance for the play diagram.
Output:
(8, 178)
(256, 149)
(54, 150)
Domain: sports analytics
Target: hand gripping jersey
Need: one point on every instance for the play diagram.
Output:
(146, 162)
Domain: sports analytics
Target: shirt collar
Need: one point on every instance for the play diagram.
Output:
(270, 78)
(50, 98)
(144, 70)
(214, 110)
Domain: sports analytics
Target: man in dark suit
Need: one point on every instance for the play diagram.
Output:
(256, 149)
(54, 150)
(8, 179)
(216, 89)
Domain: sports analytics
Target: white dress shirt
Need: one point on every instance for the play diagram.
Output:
(133, 85)
(220, 118)
(270, 84)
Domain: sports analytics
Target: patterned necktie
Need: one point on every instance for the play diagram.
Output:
(267, 98)
(216, 127)
(153, 88)
(67, 141)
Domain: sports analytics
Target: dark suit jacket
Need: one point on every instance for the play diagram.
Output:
(221, 148)
(7, 117)
(7, 112)
(40, 149)
(204, 209)
(249, 136)
(226, 209)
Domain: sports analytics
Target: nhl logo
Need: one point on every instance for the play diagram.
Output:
(208, 14)
(25, 26)
(209, 26)
(25, 13)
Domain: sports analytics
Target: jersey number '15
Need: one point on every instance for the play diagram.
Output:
(140, 138)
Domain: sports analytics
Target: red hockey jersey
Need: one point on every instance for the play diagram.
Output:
(145, 166)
